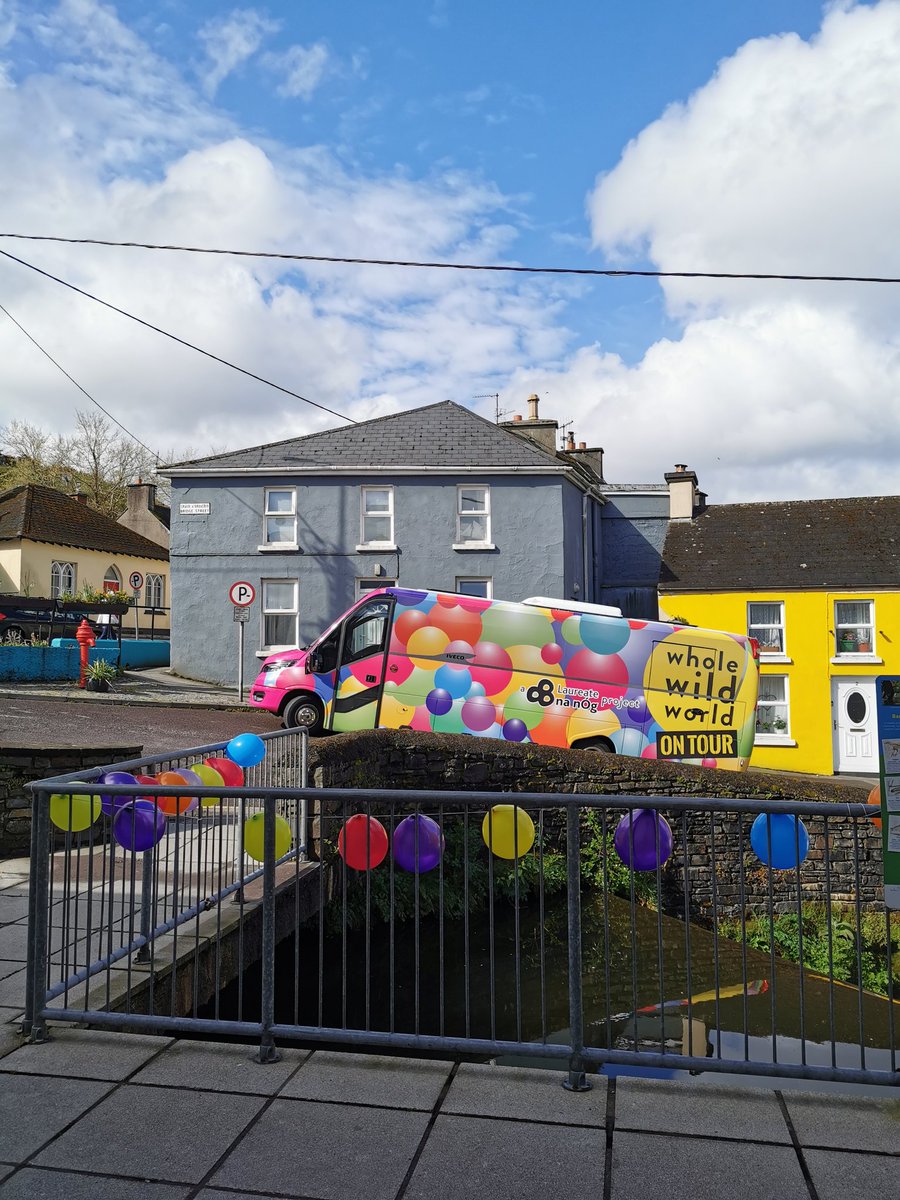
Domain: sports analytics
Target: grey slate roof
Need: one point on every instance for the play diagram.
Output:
(847, 544)
(439, 435)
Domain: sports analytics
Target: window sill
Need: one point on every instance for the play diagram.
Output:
(774, 658)
(473, 546)
(267, 650)
(278, 547)
(376, 548)
(857, 658)
(773, 739)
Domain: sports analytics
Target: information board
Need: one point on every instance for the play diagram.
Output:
(888, 703)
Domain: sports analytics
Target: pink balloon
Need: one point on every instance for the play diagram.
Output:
(491, 667)
(479, 713)
(551, 653)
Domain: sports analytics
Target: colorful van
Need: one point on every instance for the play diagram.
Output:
(548, 671)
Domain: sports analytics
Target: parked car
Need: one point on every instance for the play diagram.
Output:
(21, 623)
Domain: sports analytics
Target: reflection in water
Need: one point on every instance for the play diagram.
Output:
(649, 981)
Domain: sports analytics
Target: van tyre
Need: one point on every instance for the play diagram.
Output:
(303, 712)
(597, 745)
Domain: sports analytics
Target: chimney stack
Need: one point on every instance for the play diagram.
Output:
(543, 432)
(533, 403)
(684, 496)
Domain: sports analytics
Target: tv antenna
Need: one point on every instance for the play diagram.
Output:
(498, 412)
(562, 431)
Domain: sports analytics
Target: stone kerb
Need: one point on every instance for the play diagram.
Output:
(707, 846)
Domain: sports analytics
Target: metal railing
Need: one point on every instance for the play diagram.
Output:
(558, 955)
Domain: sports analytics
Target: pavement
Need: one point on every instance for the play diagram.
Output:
(153, 685)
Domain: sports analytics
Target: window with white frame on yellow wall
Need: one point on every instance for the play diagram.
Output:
(765, 623)
(773, 713)
(854, 627)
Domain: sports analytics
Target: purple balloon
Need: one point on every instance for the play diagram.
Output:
(438, 702)
(139, 826)
(479, 713)
(515, 730)
(111, 804)
(418, 833)
(646, 836)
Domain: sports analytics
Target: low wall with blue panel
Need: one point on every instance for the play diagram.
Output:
(61, 661)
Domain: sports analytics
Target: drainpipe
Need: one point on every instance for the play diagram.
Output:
(584, 548)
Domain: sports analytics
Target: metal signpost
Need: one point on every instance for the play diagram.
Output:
(241, 594)
(887, 698)
(136, 580)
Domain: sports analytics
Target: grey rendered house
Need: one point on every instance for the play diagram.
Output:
(435, 497)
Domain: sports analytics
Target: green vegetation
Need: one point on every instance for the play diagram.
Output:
(857, 954)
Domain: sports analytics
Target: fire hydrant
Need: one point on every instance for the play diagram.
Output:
(85, 638)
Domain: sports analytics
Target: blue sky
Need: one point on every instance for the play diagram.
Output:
(708, 135)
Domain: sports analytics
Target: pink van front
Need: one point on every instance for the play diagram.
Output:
(281, 673)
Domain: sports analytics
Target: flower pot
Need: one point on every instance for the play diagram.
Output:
(864, 648)
(97, 685)
(846, 646)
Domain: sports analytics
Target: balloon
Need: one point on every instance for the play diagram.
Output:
(232, 775)
(254, 835)
(491, 667)
(646, 836)
(479, 713)
(139, 826)
(874, 797)
(362, 842)
(151, 779)
(515, 730)
(173, 805)
(247, 749)
(439, 702)
(455, 680)
(508, 831)
(110, 803)
(787, 835)
(407, 623)
(74, 813)
(418, 833)
(604, 635)
(551, 653)
(209, 777)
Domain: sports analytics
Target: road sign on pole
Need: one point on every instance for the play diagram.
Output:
(242, 593)
(136, 580)
(241, 614)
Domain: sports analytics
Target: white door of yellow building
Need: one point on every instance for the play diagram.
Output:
(854, 722)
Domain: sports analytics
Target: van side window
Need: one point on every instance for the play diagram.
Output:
(326, 652)
(366, 632)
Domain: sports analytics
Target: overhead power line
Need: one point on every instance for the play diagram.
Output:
(175, 338)
(83, 391)
(456, 266)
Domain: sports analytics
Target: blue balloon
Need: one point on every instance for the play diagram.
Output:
(247, 749)
(786, 834)
(438, 702)
(111, 804)
(604, 635)
(455, 680)
(515, 730)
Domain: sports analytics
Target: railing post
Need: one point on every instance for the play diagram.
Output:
(38, 919)
(575, 1081)
(267, 1051)
(304, 783)
(143, 953)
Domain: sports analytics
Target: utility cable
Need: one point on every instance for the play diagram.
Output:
(452, 266)
(83, 391)
(174, 337)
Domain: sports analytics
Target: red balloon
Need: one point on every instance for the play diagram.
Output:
(362, 842)
(473, 604)
(552, 653)
(147, 779)
(459, 625)
(446, 601)
(606, 672)
(491, 667)
(232, 774)
(559, 614)
(407, 624)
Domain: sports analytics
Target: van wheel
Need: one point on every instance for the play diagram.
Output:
(598, 745)
(303, 712)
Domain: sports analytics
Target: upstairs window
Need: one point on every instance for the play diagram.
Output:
(281, 517)
(854, 626)
(765, 622)
(473, 515)
(62, 579)
(377, 516)
(481, 586)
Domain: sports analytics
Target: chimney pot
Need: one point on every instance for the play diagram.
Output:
(517, 417)
(570, 442)
(533, 403)
(681, 467)
(582, 445)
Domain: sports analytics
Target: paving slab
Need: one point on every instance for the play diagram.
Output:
(508, 1160)
(650, 1165)
(838, 1175)
(12, 908)
(35, 1109)
(165, 1134)
(849, 1124)
(14, 942)
(12, 988)
(33, 1184)
(382, 1080)
(220, 1068)
(86, 1054)
(336, 1152)
(525, 1094)
(663, 1106)
(9, 966)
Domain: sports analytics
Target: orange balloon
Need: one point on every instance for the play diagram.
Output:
(874, 797)
(553, 729)
(459, 625)
(173, 805)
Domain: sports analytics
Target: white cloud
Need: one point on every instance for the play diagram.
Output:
(784, 162)
(303, 68)
(231, 41)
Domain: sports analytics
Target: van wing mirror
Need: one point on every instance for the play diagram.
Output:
(312, 662)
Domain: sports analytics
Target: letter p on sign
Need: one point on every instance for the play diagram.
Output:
(242, 593)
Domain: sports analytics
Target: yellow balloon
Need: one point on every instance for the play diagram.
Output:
(74, 813)
(211, 778)
(254, 834)
(425, 645)
(508, 831)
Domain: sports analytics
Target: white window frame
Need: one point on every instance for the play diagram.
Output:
(58, 572)
(487, 580)
(112, 574)
(752, 626)
(154, 591)
(371, 584)
(776, 737)
(269, 514)
(265, 611)
(390, 543)
(856, 655)
(485, 543)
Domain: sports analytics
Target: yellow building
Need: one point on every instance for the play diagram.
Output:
(52, 544)
(817, 583)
